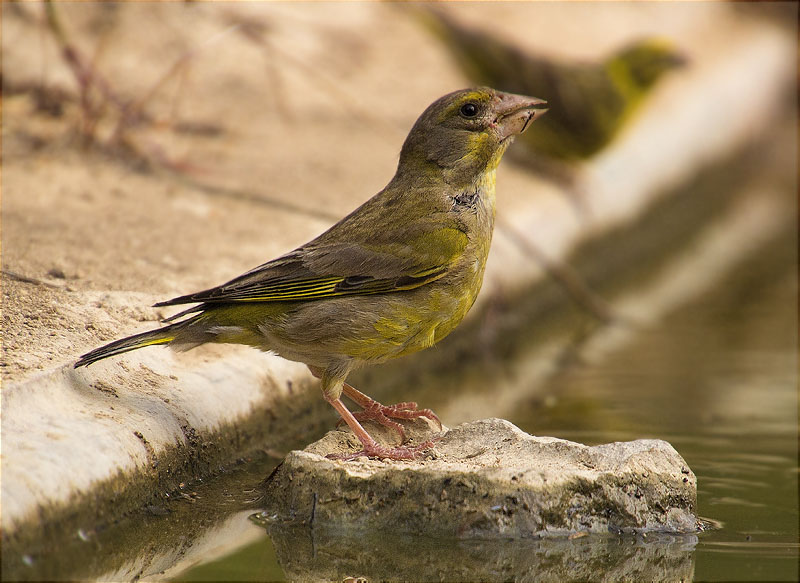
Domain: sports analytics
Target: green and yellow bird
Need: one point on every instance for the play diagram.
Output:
(591, 102)
(393, 277)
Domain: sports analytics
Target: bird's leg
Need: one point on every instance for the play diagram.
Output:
(371, 447)
(332, 387)
(382, 413)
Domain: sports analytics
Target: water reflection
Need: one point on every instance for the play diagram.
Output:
(321, 554)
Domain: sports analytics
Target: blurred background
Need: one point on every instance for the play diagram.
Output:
(642, 281)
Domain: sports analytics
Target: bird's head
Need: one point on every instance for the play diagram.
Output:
(464, 134)
(647, 60)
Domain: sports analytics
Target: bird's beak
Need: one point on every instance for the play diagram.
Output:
(516, 112)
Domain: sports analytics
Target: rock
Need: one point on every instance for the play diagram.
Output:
(488, 479)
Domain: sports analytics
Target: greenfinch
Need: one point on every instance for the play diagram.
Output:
(393, 277)
(591, 101)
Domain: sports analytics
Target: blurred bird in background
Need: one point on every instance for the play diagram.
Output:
(589, 102)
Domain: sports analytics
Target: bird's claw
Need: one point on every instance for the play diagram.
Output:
(382, 415)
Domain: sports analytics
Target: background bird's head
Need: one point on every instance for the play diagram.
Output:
(464, 134)
(647, 60)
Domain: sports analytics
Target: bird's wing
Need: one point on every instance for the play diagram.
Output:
(320, 270)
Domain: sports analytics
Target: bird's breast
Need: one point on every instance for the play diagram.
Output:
(444, 303)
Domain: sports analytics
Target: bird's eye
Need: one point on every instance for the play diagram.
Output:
(469, 110)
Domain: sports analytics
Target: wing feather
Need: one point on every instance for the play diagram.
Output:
(314, 272)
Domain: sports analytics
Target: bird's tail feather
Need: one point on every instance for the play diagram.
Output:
(161, 336)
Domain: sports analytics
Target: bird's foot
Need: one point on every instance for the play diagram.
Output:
(374, 450)
(383, 414)
(370, 447)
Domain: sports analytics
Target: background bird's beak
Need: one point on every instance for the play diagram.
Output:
(516, 112)
(678, 60)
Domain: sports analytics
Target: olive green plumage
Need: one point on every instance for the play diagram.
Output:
(393, 277)
(590, 102)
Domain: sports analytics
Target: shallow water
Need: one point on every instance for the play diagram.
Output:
(717, 379)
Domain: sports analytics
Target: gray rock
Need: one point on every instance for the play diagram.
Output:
(488, 479)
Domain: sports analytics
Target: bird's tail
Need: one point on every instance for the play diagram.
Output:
(163, 335)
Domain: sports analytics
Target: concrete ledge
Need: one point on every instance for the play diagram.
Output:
(130, 431)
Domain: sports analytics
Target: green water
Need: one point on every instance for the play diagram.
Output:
(717, 379)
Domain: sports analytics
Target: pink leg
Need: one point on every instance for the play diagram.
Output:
(381, 413)
(371, 447)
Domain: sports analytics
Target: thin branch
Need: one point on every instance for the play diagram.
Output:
(562, 274)
(26, 279)
(254, 197)
(255, 33)
(133, 110)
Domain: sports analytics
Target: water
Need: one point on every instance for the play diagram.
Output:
(717, 379)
